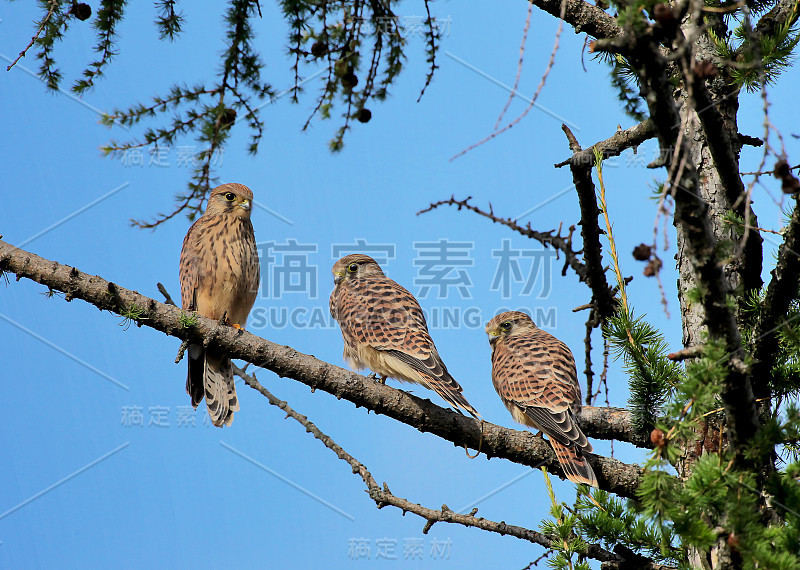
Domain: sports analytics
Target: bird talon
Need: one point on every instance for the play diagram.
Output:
(377, 377)
(238, 326)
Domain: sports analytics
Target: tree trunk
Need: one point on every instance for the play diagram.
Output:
(741, 269)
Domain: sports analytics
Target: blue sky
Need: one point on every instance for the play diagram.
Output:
(101, 463)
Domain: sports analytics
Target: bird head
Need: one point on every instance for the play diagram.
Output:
(234, 199)
(508, 324)
(355, 266)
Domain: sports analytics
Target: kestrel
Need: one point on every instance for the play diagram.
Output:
(534, 374)
(384, 329)
(219, 274)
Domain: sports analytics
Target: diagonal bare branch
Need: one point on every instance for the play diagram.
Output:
(384, 497)
(614, 145)
(562, 244)
(582, 16)
(517, 446)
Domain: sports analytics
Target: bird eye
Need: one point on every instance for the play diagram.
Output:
(353, 267)
(506, 326)
(230, 196)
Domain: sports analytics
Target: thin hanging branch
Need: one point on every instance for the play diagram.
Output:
(384, 497)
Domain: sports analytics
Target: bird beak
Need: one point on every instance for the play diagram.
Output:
(246, 204)
(337, 277)
(493, 336)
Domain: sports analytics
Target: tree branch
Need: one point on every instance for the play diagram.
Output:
(602, 294)
(782, 12)
(517, 446)
(611, 423)
(46, 18)
(782, 289)
(612, 146)
(384, 497)
(687, 353)
(725, 153)
(582, 16)
(560, 243)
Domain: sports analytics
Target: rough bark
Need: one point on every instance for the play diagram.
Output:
(582, 16)
(714, 151)
(521, 447)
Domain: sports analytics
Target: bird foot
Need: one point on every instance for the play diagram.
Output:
(377, 377)
(238, 326)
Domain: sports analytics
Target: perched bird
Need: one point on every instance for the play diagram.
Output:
(219, 274)
(384, 329)
(534, 374)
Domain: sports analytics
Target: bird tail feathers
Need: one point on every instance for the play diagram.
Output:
(210, 376)
(574, 464)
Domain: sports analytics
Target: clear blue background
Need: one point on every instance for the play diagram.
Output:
(176, 496)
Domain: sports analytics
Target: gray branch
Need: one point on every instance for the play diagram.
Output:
(384, 497)
(582, 16)
(781, 291)
(520, 447)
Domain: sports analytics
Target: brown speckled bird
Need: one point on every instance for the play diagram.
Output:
(534, 374)
(384, 329)
(219, 274)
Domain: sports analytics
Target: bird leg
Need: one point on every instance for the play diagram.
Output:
(224, 319)
(377, 377)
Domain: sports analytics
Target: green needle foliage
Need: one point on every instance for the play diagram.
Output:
(652, 376)
(612, 522)
(751, 59)
(564, 532)
(188, 320)
(356, 47)
(169, 20)
(716, 500)
(131, 314)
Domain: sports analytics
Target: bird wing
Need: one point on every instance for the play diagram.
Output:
(379, 313)
(536, 373)
(190, 267)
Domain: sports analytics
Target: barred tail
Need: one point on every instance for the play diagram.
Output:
(574, 464)
(219, 389)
